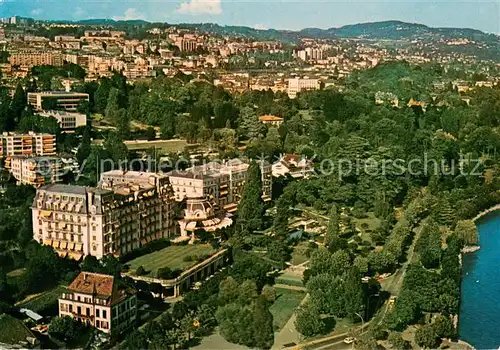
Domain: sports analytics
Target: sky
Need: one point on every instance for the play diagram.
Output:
(265, 14)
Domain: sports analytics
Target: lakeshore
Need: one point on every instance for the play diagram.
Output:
(481, 281)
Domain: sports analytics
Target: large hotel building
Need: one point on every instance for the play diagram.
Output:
(115, 218)
(130, 209)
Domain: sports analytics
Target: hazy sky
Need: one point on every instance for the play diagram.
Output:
(280, 14)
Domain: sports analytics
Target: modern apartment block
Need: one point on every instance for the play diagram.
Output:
(61, 100)
(296, 85)
(67, 121)
(31, 144)
(100, 301)
(36, 58)
(35, 171)
(115, 218)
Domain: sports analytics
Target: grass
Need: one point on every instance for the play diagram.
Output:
(299, 253)
(290, 279)
(45, 303)
(367, 225)
(284, 306)
(12, 330)
(171, 257)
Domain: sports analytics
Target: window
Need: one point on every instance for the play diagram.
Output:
(98, 323)
(79, 310)
(97, 314)
(104, 314)
(88, 311)
(78, 298)
(70, 308)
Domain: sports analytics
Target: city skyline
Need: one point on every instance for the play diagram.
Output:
(292, 15)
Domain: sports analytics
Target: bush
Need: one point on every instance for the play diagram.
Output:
(140, 271)
(164, 273)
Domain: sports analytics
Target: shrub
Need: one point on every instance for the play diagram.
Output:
(140, 271)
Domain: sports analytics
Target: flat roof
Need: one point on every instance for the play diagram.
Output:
(62, 188)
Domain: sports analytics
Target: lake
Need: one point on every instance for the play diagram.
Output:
(480, 302)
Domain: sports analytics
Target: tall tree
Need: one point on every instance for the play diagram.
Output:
(251, 207)
(19, 102)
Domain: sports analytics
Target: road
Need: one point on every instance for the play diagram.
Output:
(336, 342)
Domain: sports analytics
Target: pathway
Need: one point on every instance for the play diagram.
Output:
(288, 334)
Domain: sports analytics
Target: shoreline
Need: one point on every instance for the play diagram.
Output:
(470, 250)
(486, 212)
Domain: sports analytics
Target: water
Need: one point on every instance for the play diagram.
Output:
(480, 302)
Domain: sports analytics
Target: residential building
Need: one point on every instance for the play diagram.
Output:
(34, 171)
(115, 218)
(67, 121)
(62, 100)
(100, 301)
(296, 85)
(36, 58)
(293, 165)
(271, 120)
(31, 144)
(221, 183)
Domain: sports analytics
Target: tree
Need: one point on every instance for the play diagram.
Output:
(263, 324)
(140, 271)
(426, 337)
(443, 326)
(19, 102)
(228, 291)
(353, 294)
(251, 206)
(64, 328)
(236, 323)
(278, 251)
(90, 264)
(429, 246)
(466, 230)
(269, 293)
(308, 321)
(397, 342)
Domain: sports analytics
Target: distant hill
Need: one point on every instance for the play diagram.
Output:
(389, 30)
(394, 30)
(111, 22)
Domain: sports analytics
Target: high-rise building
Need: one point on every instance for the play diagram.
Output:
(100, 301)
(115, 218)
(36, 58)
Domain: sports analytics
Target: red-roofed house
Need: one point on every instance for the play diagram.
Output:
(271, 120)
(98, 300)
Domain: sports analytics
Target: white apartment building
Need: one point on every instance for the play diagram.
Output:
(296, 85)
(67, 121)
(63, 100)
(35, 171)
(100, 301)
(114, 219)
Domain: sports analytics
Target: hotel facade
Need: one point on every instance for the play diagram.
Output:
(115, 218)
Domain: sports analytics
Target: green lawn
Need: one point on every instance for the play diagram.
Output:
(284, 306)
(299, 253)
(367, 225)
(172, 257)
(290, 279)
(45, 303)
(12, 330)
